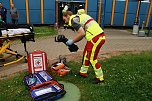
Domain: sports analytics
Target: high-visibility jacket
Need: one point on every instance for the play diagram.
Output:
(90, 26)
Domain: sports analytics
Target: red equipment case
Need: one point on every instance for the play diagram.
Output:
(37, 61)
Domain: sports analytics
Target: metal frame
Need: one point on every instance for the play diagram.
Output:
(57, 4)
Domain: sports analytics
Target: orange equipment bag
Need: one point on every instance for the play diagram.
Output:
(60, 69)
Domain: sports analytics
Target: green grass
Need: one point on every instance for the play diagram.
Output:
(128, 77)
(44, 31)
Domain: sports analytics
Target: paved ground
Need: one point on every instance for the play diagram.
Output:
(117, 40)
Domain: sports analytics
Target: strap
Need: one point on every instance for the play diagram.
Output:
(88, 21)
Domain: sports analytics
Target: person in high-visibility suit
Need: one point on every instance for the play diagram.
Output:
(87, 27)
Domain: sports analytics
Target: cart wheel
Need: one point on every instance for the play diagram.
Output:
(2, 60)
(25, 60)
(17, 56)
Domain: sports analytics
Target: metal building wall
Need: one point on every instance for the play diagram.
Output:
(131, 13)
(6, 4)
(114, 16)
(112, 13)
(49, 11)
(119, 13)
(34, 11)
(20, 5)
(108, 11)
(93, 8)
(143, 12)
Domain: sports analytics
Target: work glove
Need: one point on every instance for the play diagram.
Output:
(69, 42)
(61, 38)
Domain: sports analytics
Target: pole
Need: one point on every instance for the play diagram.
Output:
(137, 12)
(42, 11)
(86, 6)
(125, 13)
(57, 11)
(99, 12)
(113, 11)
(148, 16)
(149, 27)
(27, 12)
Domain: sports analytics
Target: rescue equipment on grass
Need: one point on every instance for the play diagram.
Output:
(60, 67)
(43, 87)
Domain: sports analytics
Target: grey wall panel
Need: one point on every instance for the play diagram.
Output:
(49, 17)
(130, 19)
(93, 14)
(118, 19)
(35, 11)
(49, 11)
(107, 19)
(20, 5)
(93, 8)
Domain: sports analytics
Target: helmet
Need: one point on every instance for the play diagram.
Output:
(65, 9)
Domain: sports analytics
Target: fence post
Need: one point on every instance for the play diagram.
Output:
(27, 12)
(125, 13)
(149, 27)
(113, 11)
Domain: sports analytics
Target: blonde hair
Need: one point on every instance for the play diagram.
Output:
(67, 13)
